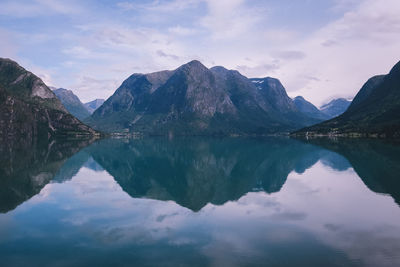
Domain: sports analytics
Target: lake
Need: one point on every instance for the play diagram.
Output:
(201, 202)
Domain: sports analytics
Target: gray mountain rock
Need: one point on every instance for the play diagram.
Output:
(195, 100)
(72, 103)
(30, 110)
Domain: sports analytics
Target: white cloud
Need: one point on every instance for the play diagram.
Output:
(334, 60)
(158, 6)
(23, 9)
(345, 53)
(230, 18)
(182, 31)
(79, 52)
(86, 86)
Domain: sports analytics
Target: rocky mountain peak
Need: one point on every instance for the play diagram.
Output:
(30, 110)
(24, 84)
(72, 103)
(193, 67)
(308, 108)
(196, 100)
(300, 98)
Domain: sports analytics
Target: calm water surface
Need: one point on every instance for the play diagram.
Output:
(201, 202)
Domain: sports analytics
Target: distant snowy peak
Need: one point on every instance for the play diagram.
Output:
(335, 107)
(256, 81)
(93, 105)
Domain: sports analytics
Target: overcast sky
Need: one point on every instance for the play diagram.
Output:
(318, 49)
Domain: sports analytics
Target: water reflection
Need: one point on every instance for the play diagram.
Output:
(26, 168)
(377, 162)
(194, 171)
(201, 202)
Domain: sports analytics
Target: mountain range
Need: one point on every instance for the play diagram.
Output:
(327, 111)
(375, 111)
(335, 107)
(72, 103)
(279, 99)
(195, 100)
(29, 109)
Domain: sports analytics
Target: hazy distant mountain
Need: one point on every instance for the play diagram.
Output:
(195, 100)
(72, 103)
(335, 107)
(374, 111)
(29, 109)
(93, 105)
(309, 109)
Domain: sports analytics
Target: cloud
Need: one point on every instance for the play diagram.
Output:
(228, 19)
(290, 55)
(335, 56)
(27, 9)
(162, 54)
(328, 43)
(182, 31)
(346, 52)
(158, 6)
(126, 5)
(79, 52)
(86, 85)
(258, 69)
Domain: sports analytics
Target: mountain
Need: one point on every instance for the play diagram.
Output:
(195, 100)
(375, 111)
(93, 105)
(29, 109)
(309, 109)
(72, 103)
(335, 107)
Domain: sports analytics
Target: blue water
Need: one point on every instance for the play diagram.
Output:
(202, 202)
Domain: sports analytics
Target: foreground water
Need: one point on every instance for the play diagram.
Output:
(201, 202)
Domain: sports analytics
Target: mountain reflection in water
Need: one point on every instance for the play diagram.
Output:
(195, 171)
(200, 202)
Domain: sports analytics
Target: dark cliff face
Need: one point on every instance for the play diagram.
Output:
(21, 84)
(195, 100)
(29, 109)
(374, 111)
(72, 103)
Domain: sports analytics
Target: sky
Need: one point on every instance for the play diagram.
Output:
(318, 49)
